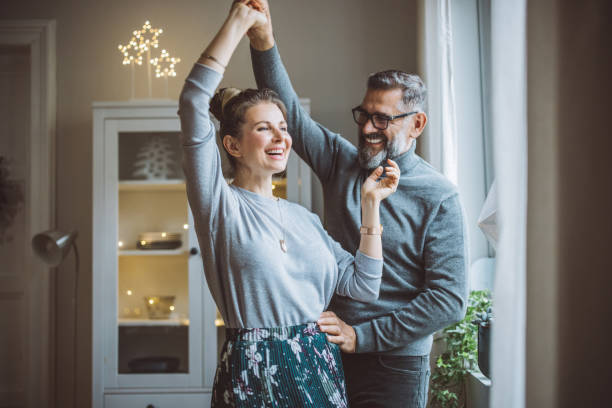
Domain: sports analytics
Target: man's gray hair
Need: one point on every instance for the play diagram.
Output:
(412, 86)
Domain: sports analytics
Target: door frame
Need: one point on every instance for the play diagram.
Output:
(40, 37)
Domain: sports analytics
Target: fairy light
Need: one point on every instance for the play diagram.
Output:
(131, 52)
(147, 37)
(142, 40)
(185, 226)
(164, 65)
(138, 52)
(129, 292)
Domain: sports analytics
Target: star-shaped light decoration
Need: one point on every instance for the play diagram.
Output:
(138, 51)
(164, 65)
(131, 52)
(147, 37)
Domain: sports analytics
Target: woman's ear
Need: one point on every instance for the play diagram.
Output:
(232, 145)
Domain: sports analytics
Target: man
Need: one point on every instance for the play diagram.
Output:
(385, 344)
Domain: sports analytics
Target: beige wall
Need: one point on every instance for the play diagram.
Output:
(569, 267)
(542, 220)
(328, 46)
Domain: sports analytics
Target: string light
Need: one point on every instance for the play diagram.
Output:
(142, 41)
(164, 65)
(147, 37)
(138, 52)
(131, 53)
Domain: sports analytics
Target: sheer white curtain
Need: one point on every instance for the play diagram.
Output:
(439, 147)
(508, 43)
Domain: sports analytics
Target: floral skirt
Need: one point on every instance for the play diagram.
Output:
(279, 367)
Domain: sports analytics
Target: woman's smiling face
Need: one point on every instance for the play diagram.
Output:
(264, 144)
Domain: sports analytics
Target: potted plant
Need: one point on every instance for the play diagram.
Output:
(447, 388)
(483, 322)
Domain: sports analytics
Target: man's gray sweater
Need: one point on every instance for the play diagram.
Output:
(424, 279)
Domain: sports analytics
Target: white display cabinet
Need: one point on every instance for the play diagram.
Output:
(155, 327)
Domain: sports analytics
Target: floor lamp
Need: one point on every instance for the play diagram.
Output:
(52, 247)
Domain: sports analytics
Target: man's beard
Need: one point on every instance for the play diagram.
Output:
(369, 159)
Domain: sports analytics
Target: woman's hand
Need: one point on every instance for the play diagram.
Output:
(261, 35)
(377, 189)
(249, 13)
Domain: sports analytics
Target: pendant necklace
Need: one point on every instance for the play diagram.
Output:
(282, 242)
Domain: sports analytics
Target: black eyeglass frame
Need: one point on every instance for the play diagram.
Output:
(370, 116)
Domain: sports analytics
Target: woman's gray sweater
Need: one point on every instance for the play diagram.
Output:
(253, 282)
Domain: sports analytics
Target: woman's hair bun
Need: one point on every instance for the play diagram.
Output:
(220, 100)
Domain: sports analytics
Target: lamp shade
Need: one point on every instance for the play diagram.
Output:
(52, 246)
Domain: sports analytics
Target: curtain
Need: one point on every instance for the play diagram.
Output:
(439, 147)
(509, 109)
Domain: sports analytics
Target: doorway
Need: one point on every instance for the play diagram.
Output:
(27, 123)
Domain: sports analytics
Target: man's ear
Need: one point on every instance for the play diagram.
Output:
(420, 121)
(232, 146)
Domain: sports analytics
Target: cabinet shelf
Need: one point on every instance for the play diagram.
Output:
(152, 322)
(152, 185)
(153, 252)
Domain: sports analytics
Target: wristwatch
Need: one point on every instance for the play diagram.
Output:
(371, 230)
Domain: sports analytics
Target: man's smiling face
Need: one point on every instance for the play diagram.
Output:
(376, 145)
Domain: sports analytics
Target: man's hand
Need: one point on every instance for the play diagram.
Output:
(261, 35)
(338, 332)
(248, 12)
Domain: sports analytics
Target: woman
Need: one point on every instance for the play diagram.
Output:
(269, 264)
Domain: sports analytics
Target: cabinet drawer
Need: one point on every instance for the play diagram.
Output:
(157, 400)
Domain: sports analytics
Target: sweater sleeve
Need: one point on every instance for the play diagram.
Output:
(206, 187)
(316, 145)
(359, 276)
(443, 299)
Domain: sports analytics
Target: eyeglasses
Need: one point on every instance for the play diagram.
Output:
(379, 121)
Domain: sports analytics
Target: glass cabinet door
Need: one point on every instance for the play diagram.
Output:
(153, 250)
(154, 327)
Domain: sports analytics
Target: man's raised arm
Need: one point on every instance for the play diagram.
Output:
(315, 144)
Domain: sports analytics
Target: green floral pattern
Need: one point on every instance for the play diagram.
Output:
(279, 367)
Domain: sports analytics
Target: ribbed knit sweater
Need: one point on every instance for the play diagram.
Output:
(424, 283)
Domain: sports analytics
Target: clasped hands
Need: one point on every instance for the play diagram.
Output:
(251, 12)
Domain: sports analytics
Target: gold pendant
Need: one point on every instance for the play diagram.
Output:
(283, 245)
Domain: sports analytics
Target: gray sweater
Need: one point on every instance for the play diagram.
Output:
(253, 282)
(423, 287)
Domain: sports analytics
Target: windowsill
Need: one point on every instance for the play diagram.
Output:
(478, 389)
(480, 377)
